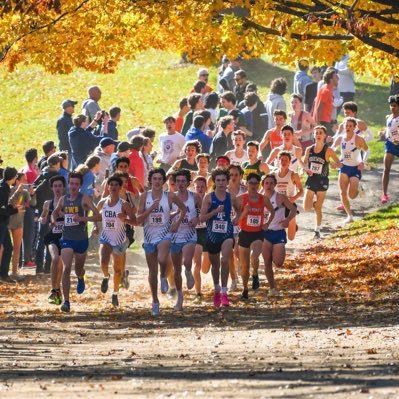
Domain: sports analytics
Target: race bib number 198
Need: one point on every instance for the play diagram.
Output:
(156, 219)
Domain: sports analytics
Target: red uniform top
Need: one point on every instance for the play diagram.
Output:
(275, 138)
(254, 220)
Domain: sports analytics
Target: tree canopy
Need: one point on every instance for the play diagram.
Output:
(98, 34)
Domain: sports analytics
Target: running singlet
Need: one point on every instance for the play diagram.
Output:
(279, 214)
(236, 229)
(185, 165)
(392, 129)
(59, 223)
(254, 220)
(185, 232)
(114, 230)
(317, 162)
(275, 139)
(219, 226)
(157, 224)
(234, 159)
(284, 185)
(294, 164)
(349, 152)
(75, 231)
(254, 168)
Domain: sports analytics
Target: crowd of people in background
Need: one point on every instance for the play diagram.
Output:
(221, 189)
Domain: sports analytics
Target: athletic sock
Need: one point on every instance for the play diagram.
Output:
(217, 288)
(317, 228)
(224, 290)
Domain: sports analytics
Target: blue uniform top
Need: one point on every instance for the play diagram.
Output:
(219, 227)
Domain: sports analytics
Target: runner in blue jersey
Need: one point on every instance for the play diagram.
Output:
(216, 212)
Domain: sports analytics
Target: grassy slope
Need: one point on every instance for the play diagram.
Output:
(146, 89)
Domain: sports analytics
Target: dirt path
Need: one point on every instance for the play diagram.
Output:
(299, 346)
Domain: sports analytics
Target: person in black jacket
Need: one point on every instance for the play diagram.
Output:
(6, 210)
(64, 123)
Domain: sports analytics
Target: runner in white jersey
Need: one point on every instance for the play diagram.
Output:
(351, 171)
(275, 238)
(154, 211)
(238, 155)
(391, 144)
(113, 240)
(289, 184)
(183, 241)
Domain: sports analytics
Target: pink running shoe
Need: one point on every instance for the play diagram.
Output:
(384, 199)
(340, 207)
(225, 300)
(30, 265)
(217, 299)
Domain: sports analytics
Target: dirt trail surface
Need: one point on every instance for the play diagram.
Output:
(299, 345)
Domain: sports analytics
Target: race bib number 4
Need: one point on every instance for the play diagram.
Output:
(157, 219)
(253, 220)
(316, 168)
(219, 226)
(68, 218)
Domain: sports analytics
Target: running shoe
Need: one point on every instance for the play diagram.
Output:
(58, 297)
(348, 220)
(155, 309)
(104, 285)
(80, 287)
(189, 279)
(164, 285)
(233, 285)
(66, 307)
(198, 299)
(273, 292)
(255, 282)
(384, 199)
(126, 282)
(114, 300)
(340, 207)
(179, 306)
(225, 300)
(172, 293)
(317, 234)
(17, 277)
(30, 265)
(52, 297)
(217, 299)
(244, 295)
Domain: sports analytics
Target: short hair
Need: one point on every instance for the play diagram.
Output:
(211, 100)
(349, 119)
(75, 175)
(241, 73)
(297, 96)
(393, 99)
(285, 154)
(193, 143)
(114, 111)
(253, 175)
(156, 170)
(48, 146)
(229, 96)
(193, 99)
(350, 105)
(316, 68)
(78, 120)
(280, 112)
(250, 99)
(30, 155)
(63, 155)
(92, 161)
(121, 174)
(57, 178)
(200, 178)
(288, 127)
(269, 176)
(236, 166)
(328, 74)
(183, 103)
(253, 143)
(251, 87)
(303, 64)
(202, 155)
(115, 178)
(218, 172)
(182, 172)
(204, 113)
(199, 85)
(148, 132)
(169, 118)
(137, 141)
(122, 160)
(278, 86)
(239, 133)
(321, 127)
(225, 121)
(198, 121)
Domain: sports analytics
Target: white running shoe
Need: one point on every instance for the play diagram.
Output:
(233, 285)
(164, 285)
(17, 277)
(172, 293)
(189, 279)
(348, 220)
(273, 292)
(155, 309)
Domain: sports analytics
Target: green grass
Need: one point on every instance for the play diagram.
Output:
(146, 89)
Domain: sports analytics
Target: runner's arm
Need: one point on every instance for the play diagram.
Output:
(45, 211)
(298, 184)
(57, 209)
(88, 204)
(142, 213)
(265, 141)
(270, 208)
(237, 209)
(204, 214)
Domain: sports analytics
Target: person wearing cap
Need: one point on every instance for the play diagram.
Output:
(104, 150)
(64, 123)
(122, 150)
(114, 115)
(6, 210)
(301, 78)
(48, 149)
(203, 74)
(222, 143)
(82, 139)
(90, 106)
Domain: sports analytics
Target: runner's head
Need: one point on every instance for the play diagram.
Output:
(182, 178)
(238, 139)
(394, 104)
(288, 133)
(296, 101)
(284, 158)
(220, 178)
(350, 125)
(156, 178)
(268, 183)
(350, 109)
(253, 181)
(252, 150)
(114, 184)
(202, 161)
(222, 162)
(320, 133)
(75, 181)
(170, 122)
(122, 164)
(236, 173)
(279, 117)
(192, 148)
(200, 185)
(57, 184)
(124, 176)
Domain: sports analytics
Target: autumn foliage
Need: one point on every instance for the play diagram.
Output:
(97, 34)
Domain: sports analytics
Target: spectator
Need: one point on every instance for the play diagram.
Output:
(211, 104)
(134, 132)
(222, 141)
(171, 144)
(147, 158)
(223, 65)
(199, 87)
(148, 132)
(48, 149)
(122, 150)
(275, 99)
(203, 75)
(64, 123)
(104, 151)
(240, 88)
(30, 169)
(115, 115)
(90, 170)
(346, 83)
(195, 102)
(6, 210)
(64, 171)
(394, 89)
(179, 117)
(301, 78)
(255, 115)
(311, 88)
(90, 106)
(196, 132)
(227, 81)
(136, 167)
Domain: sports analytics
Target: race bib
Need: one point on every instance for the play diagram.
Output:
(57, 228)
(253, 220)
(109, 225)
(395, 134)
(185, 220)
(68, 220)
(316, 168)
(219, 226)
(156, 219)
(347, 154)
